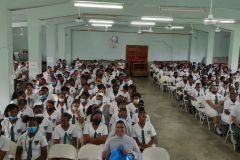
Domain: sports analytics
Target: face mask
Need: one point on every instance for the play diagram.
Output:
(98, 102)
(123, 116)
(32, 130)
(61, 100)
(136, 101)
(97, 121)
(39, 115)
(83, 100)
(42, 98)
(50, 109)
(12, 118)
(91, 86)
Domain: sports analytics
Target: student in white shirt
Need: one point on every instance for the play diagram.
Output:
(65, 133)
(76, 118)
(84, 103)
(12, 126)
(235, 114)
(30, 96)
(51, 113)
(143, 132)
(62, 104)
(135, 116)
(4, 144)
(95, 132)
(23, 110)
(135, 104)
(45, 127)
(214, 106)
(228, 107)
(32, 145)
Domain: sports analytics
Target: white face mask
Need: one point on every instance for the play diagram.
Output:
(136, 101)
(98, 102)
(61, 100)
(83, 100)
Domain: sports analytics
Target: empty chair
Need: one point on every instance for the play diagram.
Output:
(12, 149)
(62, 151)
(90, 152)
(155, 153)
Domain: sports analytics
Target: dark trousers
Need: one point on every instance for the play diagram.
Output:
(236, 131)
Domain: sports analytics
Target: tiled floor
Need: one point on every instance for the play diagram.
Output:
(183, 136)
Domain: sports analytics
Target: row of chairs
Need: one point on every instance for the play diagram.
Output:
(164, 83)
(91, 152)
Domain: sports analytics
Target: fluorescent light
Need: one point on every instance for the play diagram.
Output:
(91, 4)
(227, 21)
(100, 21)
(215, 21)
(177, 27)
(157, 18)
(143, 23)
(101, 25)
(183, 9)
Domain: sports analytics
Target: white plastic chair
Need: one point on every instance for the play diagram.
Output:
(155, 153)
(90, 152)
(62, 151)
(230, 134)
(12, 149)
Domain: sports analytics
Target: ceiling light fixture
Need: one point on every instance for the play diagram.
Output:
(157, 18)
(211, 20)
(91, 4)
(182, 9)
(142, 23)
(100, 21)
(101, 25)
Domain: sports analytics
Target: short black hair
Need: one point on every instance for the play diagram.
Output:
(9, 108)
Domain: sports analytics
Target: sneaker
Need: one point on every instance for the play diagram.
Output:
(218, 130)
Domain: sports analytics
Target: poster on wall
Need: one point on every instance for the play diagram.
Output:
(32, 65)
(114, 41)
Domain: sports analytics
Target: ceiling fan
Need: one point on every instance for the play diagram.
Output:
(79, 19)
(210, 20)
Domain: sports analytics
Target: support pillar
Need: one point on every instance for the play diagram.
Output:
(6, 60)
(233, 56)
(34, 41)
(210, 48)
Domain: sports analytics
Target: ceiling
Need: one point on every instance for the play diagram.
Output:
(62, 11)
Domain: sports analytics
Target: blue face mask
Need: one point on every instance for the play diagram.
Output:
(42, 98)
(12, 118)
(32, 130)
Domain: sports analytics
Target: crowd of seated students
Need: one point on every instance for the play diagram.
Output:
(213, 88)
(77, 104)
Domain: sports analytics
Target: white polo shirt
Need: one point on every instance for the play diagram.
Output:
(236, 112)
(38, 141)
(149, 132)
(54, 117)
(19, 128)
(26, 112)
(59, 133)
(210, 96)
(101, 130)
(46, 126)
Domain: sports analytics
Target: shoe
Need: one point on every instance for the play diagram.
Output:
(218, 130)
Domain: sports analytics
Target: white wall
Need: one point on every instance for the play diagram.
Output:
(96, 45)
(20, 41)
(201, 43)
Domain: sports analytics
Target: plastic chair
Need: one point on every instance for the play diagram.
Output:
(62, 151)
(90, 151)
(12, 149)
(157, 153)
